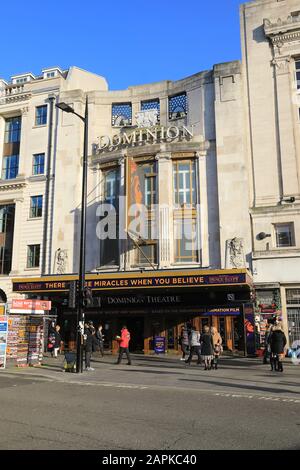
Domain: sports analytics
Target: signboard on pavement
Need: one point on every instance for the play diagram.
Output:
(3, 340)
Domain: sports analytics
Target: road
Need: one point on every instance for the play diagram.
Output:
(157, 403)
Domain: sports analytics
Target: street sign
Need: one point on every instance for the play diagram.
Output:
(33, 305)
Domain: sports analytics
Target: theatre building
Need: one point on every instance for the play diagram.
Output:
(193, 193)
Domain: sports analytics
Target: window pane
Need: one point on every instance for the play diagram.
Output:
(33, 256)
(12, 129)
(41, 115)
(185, 240)
(10, 167)
(38, 164)
(284, 235)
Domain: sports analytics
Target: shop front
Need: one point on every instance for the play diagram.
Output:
(156, 304)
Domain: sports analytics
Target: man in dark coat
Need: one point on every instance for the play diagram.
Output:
(277, 341)
(90, 343)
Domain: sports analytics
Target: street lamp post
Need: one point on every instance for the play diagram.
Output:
(80, 296)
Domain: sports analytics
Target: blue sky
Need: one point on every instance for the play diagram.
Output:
(129, 43)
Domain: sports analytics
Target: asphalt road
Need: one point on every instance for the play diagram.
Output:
(154, 404)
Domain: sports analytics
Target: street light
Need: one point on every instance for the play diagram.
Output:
(80, 298)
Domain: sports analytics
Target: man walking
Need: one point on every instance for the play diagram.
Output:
(89, 344)
(195, 346)
(124, 345)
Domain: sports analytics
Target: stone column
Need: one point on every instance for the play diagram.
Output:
(287, 147)
(165, 201)
(122, 216)
(16, 262)
(202, 213)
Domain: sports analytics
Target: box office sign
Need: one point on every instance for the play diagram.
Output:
(136, 282)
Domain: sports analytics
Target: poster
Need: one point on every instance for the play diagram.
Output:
(3, 340)
(159, 344)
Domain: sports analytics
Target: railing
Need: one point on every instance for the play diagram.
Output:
(13, 93)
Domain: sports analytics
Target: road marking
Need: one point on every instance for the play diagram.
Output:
(234, 395)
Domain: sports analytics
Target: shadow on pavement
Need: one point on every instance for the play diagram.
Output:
(245, 387)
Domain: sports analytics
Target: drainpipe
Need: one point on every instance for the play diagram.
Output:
(47, 188)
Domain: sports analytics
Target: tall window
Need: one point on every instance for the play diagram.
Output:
(184, 175)
(36, 206)
(7, 215)
(10, 167)
(38, 164)
(297, 67)
(121, 114)
(33, 256)
(146, 245)
(109, 252)
(12, 130)
(284, 235)
(185, 211)
(41, 115)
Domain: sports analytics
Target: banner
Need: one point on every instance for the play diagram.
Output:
(3, 340)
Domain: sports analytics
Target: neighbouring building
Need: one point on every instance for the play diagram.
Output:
(214, 161)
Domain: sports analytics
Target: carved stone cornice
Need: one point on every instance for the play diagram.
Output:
(282, 31)
(281, 27)
(8, 185)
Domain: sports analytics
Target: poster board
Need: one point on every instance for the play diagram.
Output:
(3, 340)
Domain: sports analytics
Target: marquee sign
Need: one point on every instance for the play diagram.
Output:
(138, 136)
(135, 282)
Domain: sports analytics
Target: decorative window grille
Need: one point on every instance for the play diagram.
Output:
(151, 104)
(178, 106)
(121, 114)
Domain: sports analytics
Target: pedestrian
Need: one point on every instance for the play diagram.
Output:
(184, 342)
(57, 341)
(267, 344)
(195, 346)
(277, 341)
(51, 337)
(90, 343)
(100, 339)
(207, 347)
(124, 340)
(218, 348)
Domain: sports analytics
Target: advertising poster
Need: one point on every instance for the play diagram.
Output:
(3, 340)
(249, 324)
(159, 344)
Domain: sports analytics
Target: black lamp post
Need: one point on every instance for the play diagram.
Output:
(80, 297)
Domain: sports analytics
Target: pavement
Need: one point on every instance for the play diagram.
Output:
(156, 403)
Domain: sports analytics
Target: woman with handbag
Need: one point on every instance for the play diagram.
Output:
(218, 348)
(277, 342)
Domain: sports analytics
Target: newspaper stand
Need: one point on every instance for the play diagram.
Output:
(26, 332)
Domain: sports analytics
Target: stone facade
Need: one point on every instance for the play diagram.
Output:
(245, 123)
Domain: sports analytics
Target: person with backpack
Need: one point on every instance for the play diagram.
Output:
(124, 340)
(195, 346)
